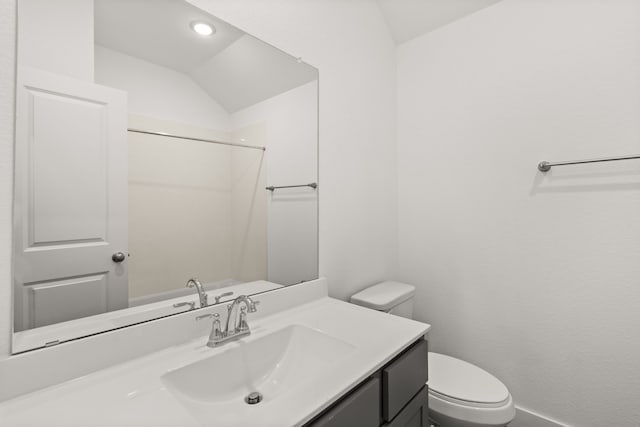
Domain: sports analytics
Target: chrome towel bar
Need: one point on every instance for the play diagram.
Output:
(272, 188)
(546, 166)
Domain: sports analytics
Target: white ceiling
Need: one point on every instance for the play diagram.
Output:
(252, 71)
(408, 19)
(159, 31)
(235, 69)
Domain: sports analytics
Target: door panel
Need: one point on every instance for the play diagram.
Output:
(68, 172)
(70, 199)
(61, 300)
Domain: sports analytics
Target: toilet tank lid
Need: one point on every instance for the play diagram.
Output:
(384, 296)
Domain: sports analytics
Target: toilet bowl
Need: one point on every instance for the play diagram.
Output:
(464, 395)
(460, 393)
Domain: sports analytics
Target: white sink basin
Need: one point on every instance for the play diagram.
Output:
(271, 365)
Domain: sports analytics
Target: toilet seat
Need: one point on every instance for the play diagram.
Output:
(450, 399)
(474, 416)
(466, 392)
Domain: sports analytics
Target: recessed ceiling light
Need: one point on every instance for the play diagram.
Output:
(203, 28)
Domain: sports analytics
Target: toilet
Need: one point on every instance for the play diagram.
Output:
(460, 393)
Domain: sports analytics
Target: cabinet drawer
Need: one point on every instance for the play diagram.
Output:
(359, 409)
(415, 414)
(402, 379)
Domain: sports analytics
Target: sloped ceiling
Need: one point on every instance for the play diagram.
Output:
(159, 32)
(250, 71)
(408, 19)
(234, 68)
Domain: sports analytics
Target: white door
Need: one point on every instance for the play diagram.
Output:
(70, 213)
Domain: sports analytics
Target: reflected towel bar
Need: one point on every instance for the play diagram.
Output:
(546, 166)
(312, 185)
(212, 141)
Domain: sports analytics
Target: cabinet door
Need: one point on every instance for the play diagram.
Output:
(359, 409)
(402, 379)
(415, 414)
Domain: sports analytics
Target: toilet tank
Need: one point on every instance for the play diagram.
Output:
(391, 297)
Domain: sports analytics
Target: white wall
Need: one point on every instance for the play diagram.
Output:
(291, 137)
(248, 223)
(351, 46)
(57, 36)
(533, 277)
(7, 113)
(158, 92)
(179, 208)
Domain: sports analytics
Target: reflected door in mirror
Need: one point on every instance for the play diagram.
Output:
(70, 199)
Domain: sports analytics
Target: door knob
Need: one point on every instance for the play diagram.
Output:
(118, 257)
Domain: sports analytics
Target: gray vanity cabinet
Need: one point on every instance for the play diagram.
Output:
(395, 396)
(361, 408)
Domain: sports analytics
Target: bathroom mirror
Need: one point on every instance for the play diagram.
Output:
(155, 143)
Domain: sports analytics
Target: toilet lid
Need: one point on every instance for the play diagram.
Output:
(461, 380)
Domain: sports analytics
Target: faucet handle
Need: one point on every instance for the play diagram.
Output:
(216, 336)
(191, 304)
(216, 329)
(243, 326)
(252, 306)
(226, 294)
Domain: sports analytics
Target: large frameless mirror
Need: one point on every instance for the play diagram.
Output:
(155, 144)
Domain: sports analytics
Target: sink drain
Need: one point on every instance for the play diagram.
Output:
(253, 398)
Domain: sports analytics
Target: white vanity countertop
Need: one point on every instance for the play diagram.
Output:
(132, 393)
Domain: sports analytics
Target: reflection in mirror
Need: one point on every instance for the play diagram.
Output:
(144, 150)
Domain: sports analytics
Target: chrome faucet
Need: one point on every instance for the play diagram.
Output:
(235, 326)
(201, 293)
(241, 325)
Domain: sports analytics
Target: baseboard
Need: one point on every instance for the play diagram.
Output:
(526, 418)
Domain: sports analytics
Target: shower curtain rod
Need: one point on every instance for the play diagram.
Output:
(212, 141)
